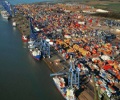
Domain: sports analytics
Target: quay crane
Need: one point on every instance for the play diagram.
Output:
(33, 34)
(73, 76)
(7, 7)
(43, 44)
(45, 47)
(59, 73)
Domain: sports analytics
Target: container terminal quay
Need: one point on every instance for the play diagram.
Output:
(81, 50)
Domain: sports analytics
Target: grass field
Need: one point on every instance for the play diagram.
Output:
(110, 6)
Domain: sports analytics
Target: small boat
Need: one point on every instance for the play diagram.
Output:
(67, 92)
(24, 38)
(36, 53)
(4, 14)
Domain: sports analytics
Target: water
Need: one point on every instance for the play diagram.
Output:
(21, 77)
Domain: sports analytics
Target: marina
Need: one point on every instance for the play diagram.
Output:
(77, 47)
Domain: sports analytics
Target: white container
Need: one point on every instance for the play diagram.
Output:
(48, 40)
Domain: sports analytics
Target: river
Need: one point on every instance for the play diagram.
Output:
(21, 77)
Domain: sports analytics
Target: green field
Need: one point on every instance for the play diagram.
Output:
(111, 6)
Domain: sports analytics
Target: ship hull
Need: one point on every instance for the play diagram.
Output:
(38, 57)
(5, 15)
(59, 89)
(63, 90)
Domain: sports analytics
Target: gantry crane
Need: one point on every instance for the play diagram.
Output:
(7, 7)
(44, 47)
(43, 44)
(73, 75)
(33, 34)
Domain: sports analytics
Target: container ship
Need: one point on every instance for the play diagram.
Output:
(4, 14)
(34, 49)
(67, 92)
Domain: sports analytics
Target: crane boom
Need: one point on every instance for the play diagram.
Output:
(57, 74)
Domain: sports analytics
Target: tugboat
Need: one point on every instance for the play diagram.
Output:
(24, 38)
